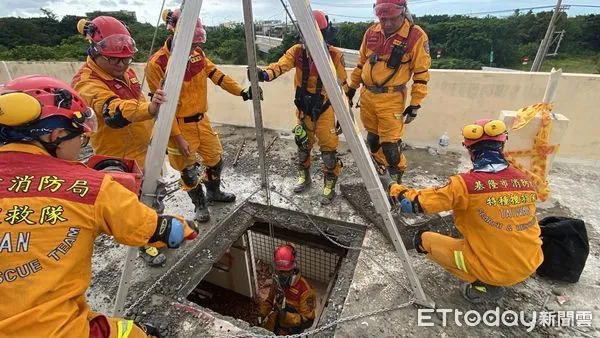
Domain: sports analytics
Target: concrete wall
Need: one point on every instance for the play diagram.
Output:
(455, 98)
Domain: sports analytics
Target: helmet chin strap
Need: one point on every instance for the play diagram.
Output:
(52, 146)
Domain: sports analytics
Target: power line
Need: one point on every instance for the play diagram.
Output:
(365, 5)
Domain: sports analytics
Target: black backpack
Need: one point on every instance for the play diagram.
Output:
(565, 246)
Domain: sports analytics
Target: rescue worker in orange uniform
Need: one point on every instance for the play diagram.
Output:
(52, 208)
(111, 87)
(290, 306)
(494, 209)
(191, 132)
(392, 51)
(316, 118)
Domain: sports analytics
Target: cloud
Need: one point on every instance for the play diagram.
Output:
(108, 3)
(218, 11)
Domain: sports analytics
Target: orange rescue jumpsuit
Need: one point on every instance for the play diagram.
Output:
(382, 113)
(495, 213)
(191, 120)
(51, 211)
(124, 123)
(324, 129)
(298, 311)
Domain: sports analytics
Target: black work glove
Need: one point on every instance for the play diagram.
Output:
(410, 114)
(247, 94)
(350, 94)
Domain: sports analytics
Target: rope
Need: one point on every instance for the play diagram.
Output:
(129, 130)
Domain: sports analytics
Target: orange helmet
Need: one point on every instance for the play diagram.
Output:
(285, 257)
(171, 18)
(108, 36)
(484, 129)
(389, 8)
(322, 19)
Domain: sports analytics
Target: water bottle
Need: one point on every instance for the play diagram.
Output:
(443, 142)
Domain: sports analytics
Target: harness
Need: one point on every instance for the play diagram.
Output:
(394, 62)
(312, 105)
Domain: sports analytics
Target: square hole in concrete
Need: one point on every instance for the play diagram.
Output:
(240, 280)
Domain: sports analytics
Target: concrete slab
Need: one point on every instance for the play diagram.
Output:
(377, 281)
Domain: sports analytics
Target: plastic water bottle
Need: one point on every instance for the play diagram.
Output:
(443, 142)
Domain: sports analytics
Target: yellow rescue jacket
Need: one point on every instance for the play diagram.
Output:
(51, 211)
(293, 58)
(415, 62)
(193, 96)
(298, 309)
(495, 213)
(124, 123)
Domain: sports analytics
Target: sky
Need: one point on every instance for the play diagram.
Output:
(218, 11)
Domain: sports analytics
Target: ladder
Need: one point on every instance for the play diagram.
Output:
(190, 11)
(316, 46)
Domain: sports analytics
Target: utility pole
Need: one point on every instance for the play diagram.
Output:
(545, 44)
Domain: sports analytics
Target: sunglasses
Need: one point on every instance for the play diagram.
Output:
(113, 61)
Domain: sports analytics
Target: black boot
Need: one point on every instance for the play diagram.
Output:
(161, 191)
(304, 180)
(328, 188)
(213, 185)
(197, 196)
(396, 174)
(215, 194)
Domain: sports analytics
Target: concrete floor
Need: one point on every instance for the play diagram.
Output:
(378, 278)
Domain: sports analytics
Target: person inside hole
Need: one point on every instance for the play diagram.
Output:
(290, 306)
(494, 208)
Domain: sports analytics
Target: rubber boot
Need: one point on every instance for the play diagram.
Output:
(479, 292)
(161, 191)
(304, 180)
(212, 183)
(328, 188)
(395, 174)
(417, 241)
(215, 194)
(152, 256)
(197, 196)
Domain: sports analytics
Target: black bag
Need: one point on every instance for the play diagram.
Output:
(566, 248)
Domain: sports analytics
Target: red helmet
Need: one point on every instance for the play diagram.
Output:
(322, 19)
(171, 18)
(109, 36)
(32, 98)
(389, 8)
(285, 257)
(484, 129)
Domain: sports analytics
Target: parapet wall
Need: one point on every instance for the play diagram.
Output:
(455, 98)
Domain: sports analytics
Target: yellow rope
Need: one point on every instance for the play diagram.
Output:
(541, 148)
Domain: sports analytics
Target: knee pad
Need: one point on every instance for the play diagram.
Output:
(303, 155)
(373, 142)
(329, 159)
(392, 153)
(190, 176)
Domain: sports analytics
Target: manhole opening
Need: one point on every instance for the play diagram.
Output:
(240, 280)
